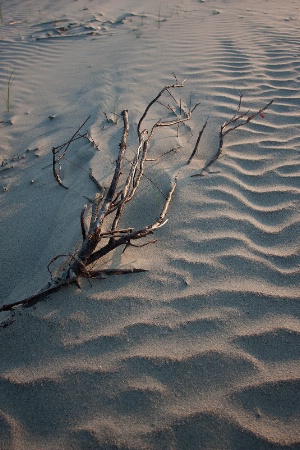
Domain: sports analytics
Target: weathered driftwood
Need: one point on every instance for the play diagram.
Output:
(97, 240)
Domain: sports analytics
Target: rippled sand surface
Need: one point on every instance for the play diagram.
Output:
(202, 350)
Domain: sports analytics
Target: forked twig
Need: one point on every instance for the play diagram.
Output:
(229, 126)
(101, 235)
(98, 239)
(57, 156)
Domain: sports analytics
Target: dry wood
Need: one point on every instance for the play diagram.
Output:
(197, 142)
(57, 156)
(33, 299)
(96, 240)
(229, 126)
(30, 301)
(101, 236)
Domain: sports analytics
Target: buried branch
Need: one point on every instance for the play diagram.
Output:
(237, 120)
(102, 234)
(58, 153)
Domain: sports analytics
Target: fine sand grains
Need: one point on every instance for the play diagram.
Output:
(202, 351)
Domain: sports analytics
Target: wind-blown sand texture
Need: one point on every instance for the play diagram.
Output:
(202, 350)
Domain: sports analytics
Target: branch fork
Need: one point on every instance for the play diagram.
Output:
(98, 238)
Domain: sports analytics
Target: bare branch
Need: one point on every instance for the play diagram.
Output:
(30, 301)
(166, 88)
(99, 185)
(130, 244)
(99, 273)
(33, 299)
(101, 235)
(96, 230)
(197, 142)
(56, 173)
(135, 234)
(260, 111)
(82, 222)
(55, 151)
(225, 130)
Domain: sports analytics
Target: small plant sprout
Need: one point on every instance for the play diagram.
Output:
(138, 29)
(116, 111)
(137, 32)
(7, 97)
(158, 16)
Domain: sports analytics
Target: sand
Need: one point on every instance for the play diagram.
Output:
(201, 351)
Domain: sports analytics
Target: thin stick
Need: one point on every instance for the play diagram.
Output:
(56, 173)
(135, 234)
(99, 185)
(113, 186)
(197, 143)
(30, 301)
(97, 273)
(68, 143)
(173, 86)
(224, 131)
(33, 299)
(56, 150)
(82, 223)
(114, 201)
(260, 111)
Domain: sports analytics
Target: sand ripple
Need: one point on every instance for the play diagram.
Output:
(201, 352)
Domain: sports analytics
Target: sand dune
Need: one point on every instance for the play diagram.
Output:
(202, 350)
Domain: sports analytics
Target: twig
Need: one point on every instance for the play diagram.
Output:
(174, 149)
(173, 110)
(112, 202)
(55, 151)
(130, 244)
(224, 130)
(166, 88)
(82, 223)
(30, 301)
(135, 234)
(197, 142)
(97, 273)
(53, 260)
(33, 299)
(99, 185)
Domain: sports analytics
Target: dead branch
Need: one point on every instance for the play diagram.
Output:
(99, 185)
(197, 142)
(130, 244)
(33, 299)
(99, 236)
(134, 234)
(57, 156)
(229, 126)
(166, 88)
(30, 301)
